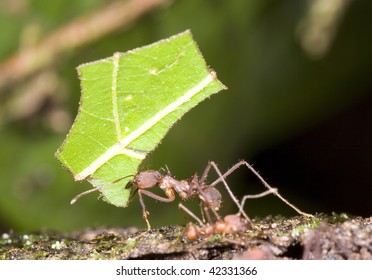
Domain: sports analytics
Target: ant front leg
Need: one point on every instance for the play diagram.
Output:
(149, 179)
(266, 185)
(145, 213)
(154, 196)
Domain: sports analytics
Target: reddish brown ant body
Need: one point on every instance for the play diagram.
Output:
(230, 224)
(210, 198)
(186, 189)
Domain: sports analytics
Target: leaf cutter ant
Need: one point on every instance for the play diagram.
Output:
(230, 224)
(209, 196)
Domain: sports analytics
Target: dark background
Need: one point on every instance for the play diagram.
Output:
(298, 107)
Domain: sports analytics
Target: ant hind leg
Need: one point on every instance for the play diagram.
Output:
(222, 179)
(262, 180)
(191, 214)
(253, 196)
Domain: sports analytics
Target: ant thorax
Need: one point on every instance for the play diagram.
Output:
(182, 187)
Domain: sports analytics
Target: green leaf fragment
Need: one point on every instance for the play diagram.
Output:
(128, 104)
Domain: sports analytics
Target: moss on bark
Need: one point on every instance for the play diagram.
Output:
(323, 237)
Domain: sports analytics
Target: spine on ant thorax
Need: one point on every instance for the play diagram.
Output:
(182, 187)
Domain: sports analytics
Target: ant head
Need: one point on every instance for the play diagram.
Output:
(146, 179)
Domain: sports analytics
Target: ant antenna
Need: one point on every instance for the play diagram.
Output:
(76, 198)
(168, 171)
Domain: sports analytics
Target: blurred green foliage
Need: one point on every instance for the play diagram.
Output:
(280, 83)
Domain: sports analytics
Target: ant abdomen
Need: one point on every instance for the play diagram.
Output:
(211, 197)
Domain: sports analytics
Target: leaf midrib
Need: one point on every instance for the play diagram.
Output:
(114, 96)
(121, 145)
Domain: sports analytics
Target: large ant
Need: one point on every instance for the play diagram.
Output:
(208, 195)
(186, 189)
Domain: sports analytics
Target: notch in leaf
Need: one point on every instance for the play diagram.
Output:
(128, 103)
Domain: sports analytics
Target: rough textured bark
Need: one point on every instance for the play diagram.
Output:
(324, 237)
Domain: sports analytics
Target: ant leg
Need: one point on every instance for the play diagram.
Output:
(205, 213)
(202, 210)
(218, 217)
(205, 202)
(205, 173)
(252, 196)
(266, 185)
(222, 179)
(188, 211)
(155, 196)
(144, 211)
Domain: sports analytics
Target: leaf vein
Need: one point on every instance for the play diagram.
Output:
(123, 143)
(114, 95)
